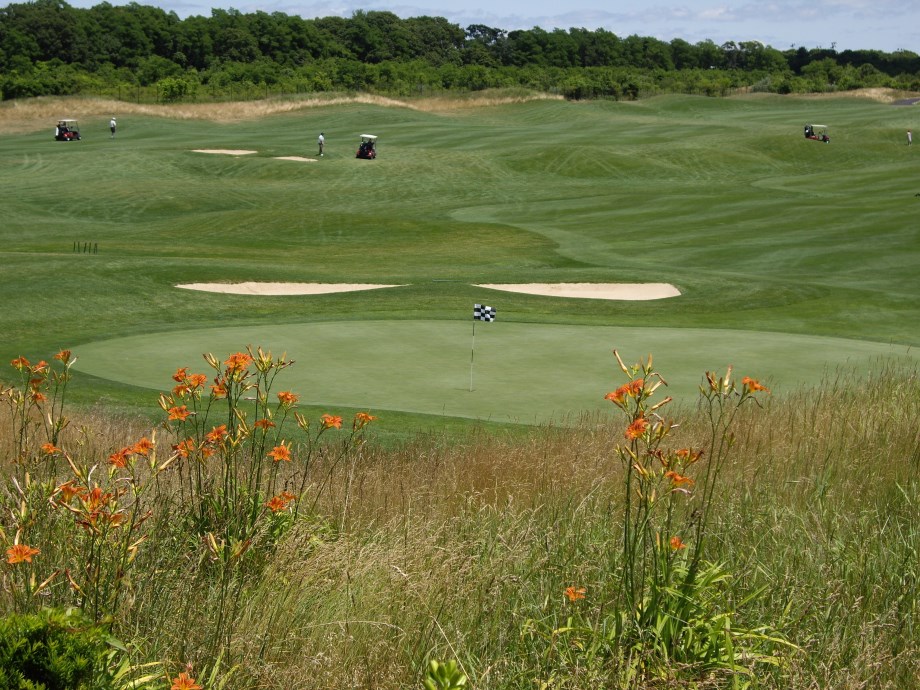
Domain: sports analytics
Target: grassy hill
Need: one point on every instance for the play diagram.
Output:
(770, 239)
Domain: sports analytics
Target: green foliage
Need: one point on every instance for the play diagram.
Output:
(91, 524)
(668, 615)
(158, 47)
(174, 89)
(443, 676)
(54, 650)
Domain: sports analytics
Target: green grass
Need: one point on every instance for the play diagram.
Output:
(781, 247)
(520, 373)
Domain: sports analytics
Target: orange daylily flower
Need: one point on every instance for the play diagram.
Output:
(115, 519)
(50, 449)
(575, 593)
(637, 428)
(184, 682)
(180, 374)
(19, 553)
(238, 362)
(678, 479)
(185, 448)
(182, 390)
(287, 397)
(279, 453)
(618, 396)
(217, 434)
(38, 397)
(142, 447)
(264, 424)
(219, 389)
(197, 380)
(753, 385)
(63, 356)
(329, 421)
(120, 458)
(632, 389)
(276, 504)
(688, 455)
(677, 543)
(179, 413)
(95, 499)
(69, 490)
(362, 419)
(280, 502)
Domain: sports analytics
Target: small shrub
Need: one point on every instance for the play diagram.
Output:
(53, 650)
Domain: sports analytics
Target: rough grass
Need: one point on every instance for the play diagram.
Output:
(442, 549)
(34, 114)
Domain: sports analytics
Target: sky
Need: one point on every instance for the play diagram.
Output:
(886, 25)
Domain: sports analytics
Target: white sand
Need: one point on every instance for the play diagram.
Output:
(295, 158)
(615, 291)
(281, 288)
(612, 291)
(226, 152)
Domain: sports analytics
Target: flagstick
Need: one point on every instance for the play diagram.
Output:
(472, 350)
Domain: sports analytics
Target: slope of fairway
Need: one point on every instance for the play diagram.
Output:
(523, 373)
(761, 231)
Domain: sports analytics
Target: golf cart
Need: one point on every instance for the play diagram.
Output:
(67, 130)
(817, 133)
(367, 149)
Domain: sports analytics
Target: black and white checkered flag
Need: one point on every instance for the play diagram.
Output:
(483, 313)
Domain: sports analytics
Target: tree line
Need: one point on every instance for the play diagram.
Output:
(48, 47)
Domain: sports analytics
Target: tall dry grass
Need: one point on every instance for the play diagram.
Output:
(444, 547)
(35, 114)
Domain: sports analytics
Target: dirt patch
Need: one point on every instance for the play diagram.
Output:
(253, 288)
(226, 152)
(611, 291)
(295, 158)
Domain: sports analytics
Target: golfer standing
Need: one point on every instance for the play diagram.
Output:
(322, 143)
(112, 126)
(910, 138)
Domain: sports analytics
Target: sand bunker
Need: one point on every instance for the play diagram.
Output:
(295, 158)
(611, 291)
(616, 291)
(281, 288)
(226, 152)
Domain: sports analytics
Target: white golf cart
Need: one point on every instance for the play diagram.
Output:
(367, 149)
(67, 130)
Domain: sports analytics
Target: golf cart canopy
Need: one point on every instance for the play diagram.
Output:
(367, 149)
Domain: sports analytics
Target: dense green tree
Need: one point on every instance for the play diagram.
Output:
(47, 46)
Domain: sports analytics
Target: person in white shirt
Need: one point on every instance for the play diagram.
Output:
(322, 143)
(112, 126)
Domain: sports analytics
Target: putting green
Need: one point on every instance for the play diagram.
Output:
(521, 372)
